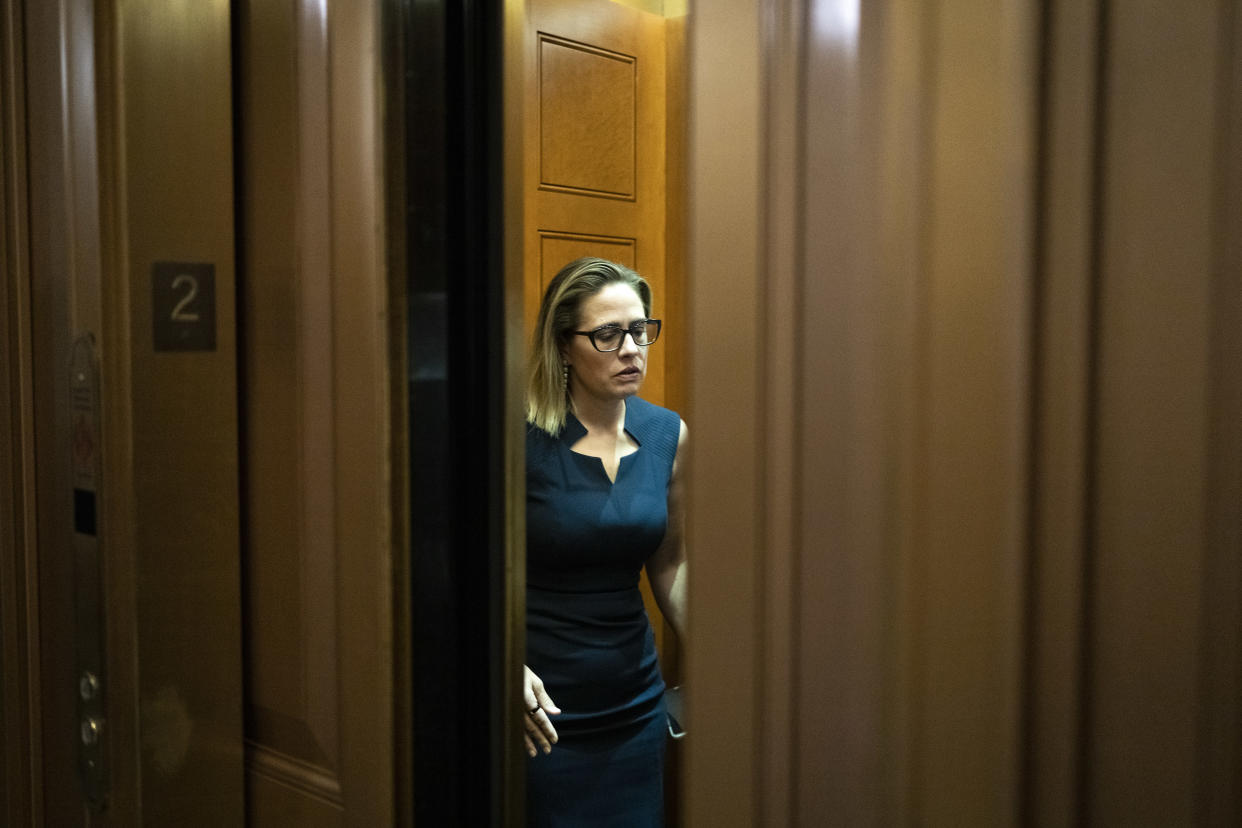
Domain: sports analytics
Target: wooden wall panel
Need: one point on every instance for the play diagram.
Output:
(1219, 760)
(724, 524)
(557, 249)
(587, 119)
(292, 692)
(318, 548)
(595, 132)
(169, 507)
(21, 755)
(1153, 367)
(972, 571)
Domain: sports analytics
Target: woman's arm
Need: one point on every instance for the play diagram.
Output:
(666, 569)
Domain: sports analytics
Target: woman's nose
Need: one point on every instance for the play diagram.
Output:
(628, 344)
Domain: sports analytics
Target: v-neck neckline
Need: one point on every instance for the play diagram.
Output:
(575, 431)
(599, 464)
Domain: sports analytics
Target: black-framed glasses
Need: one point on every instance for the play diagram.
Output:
(607, 338)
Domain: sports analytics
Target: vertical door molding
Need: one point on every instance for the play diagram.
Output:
(860, 260)
(363, 409)
(322, 487)
(293, 681)
(1153, 494)
(781, 168)
(725, 319)
(20, 763)
(1219, 801)
(513, 38)
(1064, 318)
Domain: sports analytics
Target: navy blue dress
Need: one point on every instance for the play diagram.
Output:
(587, 633)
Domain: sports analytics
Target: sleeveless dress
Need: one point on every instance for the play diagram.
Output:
(587, 633)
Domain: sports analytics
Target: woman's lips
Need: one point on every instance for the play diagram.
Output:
(630, 373)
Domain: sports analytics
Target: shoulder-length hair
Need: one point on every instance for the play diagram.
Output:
(547, 392)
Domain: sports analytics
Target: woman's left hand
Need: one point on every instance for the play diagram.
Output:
(539, 705)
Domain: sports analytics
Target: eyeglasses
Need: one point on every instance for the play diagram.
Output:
(607, 338)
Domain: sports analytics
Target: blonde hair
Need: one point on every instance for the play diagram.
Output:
(547, 392)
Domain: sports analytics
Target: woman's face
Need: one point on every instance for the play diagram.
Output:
(617, 374)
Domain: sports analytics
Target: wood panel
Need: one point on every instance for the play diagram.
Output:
(292, 693)
(21, 756)
(588, 132)
(1152, 398)
(556, 249)
(317, 451)
(595, 146)
(52, 217)
(726, 510)
(169, 504)
(1011, 285)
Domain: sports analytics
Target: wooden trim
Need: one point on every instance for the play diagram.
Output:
(310, 780)
(724, 310)
(1218, 799)
(1063, 320)
(676, 62)
(782, 221)
(393, 22)
(513, 94)
(837, 455)
(21, 761)
(362, 439)
(318, 413)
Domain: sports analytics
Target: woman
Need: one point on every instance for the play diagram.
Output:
(603, 499)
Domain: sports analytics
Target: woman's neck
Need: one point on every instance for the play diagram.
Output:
(600, 416)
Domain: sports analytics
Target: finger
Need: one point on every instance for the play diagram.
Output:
(540, 718)
(545, 701)
(530, 693)
(535, 733)
(530, 746)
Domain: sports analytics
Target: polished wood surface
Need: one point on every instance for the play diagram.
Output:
(292, 690)
(131, 163)
(21, 755)
(970, 503)
(595, 128)
(318, 548)
(155, 136)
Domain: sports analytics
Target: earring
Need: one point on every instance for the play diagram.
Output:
(565, 375)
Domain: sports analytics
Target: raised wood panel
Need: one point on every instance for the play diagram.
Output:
(1061, 428)
(603, 114)
(292, 696)
(317, 549)
(1014, 448)
(558, 249)
(587, 119)
(50, 271)
(1152, 398)
(21, 740)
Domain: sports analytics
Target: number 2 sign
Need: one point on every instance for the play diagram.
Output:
(183, 306)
